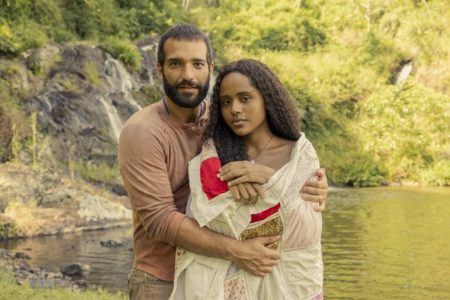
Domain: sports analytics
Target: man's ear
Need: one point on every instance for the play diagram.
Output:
(160, 71)
(211, 67)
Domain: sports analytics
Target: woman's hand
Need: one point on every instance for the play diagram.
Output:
(316, 191)
(245, 179)
(245, 172)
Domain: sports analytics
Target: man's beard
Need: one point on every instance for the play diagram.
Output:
(179, 99)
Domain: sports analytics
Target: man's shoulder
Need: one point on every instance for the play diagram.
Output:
(146, 122)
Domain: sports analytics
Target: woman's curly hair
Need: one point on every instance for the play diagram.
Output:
(282, 116)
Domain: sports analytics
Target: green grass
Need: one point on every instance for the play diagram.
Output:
(10, 290)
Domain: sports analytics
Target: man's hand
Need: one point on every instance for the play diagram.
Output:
(316, 191)
(254, 257)
(247, 192)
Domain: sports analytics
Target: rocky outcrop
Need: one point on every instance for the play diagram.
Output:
(70, 103)
(23, 273)
(43, 203)
(86, 99)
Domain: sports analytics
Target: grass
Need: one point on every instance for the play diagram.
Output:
(10, 290)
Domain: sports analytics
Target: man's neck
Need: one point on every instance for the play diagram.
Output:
(181, 114)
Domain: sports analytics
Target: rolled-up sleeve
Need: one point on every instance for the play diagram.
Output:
(142, 164)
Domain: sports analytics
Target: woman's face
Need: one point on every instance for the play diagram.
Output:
(242, 105)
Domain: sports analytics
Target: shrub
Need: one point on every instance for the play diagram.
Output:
(124, 51)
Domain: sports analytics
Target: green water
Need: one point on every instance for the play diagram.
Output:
(387, 243)
(379, 243)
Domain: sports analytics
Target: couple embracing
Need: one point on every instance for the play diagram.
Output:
(226, 194)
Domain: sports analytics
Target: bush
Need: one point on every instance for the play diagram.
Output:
(123, 50)
(8, 42)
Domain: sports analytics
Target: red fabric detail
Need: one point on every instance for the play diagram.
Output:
(265, 213)
(212, 186)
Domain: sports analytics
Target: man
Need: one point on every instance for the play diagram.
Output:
(155, 147)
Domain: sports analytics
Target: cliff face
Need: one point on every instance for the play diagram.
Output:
(61, 123)
(84, 102)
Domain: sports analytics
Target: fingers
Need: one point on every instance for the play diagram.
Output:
(227, 176)
(235, 192)
(233, 169)
(321, 173)
(314, 198)
(306, 189)
(253, 195)
(267, 240)
(246, 192)
(243, 193)
(238, 180)
(321, 207)
(259, 189)
(317, 184)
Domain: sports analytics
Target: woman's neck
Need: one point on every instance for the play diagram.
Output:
(258, 141)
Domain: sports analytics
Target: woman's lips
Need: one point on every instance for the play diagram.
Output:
(238, 122)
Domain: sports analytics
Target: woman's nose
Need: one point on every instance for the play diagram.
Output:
(236, 107)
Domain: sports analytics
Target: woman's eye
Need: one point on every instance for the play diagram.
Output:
(245, 99)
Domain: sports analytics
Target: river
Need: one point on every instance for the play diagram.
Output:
(378, 243)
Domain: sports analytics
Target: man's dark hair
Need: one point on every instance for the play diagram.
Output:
(185, 32)
(281, 113)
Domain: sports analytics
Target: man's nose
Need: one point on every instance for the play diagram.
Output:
(188, 73)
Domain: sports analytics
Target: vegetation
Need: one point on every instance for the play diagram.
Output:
(339, 59)
(10, 290)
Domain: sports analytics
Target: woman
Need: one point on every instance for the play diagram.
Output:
(253, 119)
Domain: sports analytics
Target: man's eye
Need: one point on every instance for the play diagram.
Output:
(245, 99)
(199, 65)
(224, 102)
(174, 64)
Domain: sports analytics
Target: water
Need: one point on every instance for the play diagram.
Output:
(382, 243)
(108, 266)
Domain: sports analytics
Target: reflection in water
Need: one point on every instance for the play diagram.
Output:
(109, 267)
(387, 244)
(381, 243)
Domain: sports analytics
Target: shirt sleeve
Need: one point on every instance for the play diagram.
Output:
(142, 164)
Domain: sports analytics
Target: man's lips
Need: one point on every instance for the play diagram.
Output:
(188, 88)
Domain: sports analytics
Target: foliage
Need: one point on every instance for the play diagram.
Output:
(410, 137)
(26, 24)
(11, 290)
(339, 60)
(124, 51)
(91, 73)
(100, 172)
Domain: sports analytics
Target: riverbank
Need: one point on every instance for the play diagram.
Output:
(20, 281)
(37, 202)
(10, 290)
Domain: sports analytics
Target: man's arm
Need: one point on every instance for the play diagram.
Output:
(251, 255)
(244, 178)
(145, 176)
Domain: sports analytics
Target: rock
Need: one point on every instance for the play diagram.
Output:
(61, 205)
(22, 255)
(113, 244)
(72, 270)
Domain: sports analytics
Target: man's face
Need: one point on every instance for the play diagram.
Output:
(185, 72)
